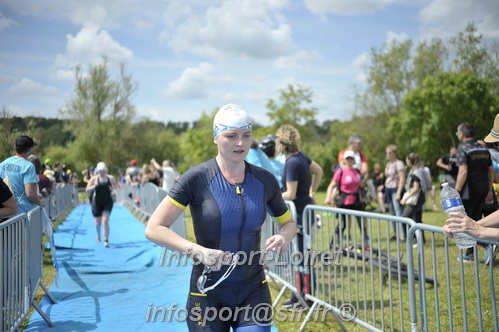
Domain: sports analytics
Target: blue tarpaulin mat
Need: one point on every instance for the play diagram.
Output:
(120, 288)
(115, 288)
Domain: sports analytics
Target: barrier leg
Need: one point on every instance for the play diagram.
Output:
(44, 316)
(49, 295)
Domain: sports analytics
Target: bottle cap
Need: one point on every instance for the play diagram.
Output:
(445, 184)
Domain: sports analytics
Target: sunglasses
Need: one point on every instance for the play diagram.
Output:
(204, 276)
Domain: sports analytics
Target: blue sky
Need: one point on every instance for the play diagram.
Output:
(192, 56)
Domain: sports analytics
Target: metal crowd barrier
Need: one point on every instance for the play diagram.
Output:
(472, 306)
(60, 199)
(358, 273)
(21, 261)
(383, 284)
(280, 268)
(144, 199)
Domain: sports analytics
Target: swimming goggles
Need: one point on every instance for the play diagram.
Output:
(203, 277)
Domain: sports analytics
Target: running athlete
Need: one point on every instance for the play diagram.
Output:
(229, 200)
(100, 187)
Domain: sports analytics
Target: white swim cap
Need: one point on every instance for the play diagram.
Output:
(228, 117)
(101, 166)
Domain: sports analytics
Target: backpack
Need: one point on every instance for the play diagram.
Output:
(424, 179)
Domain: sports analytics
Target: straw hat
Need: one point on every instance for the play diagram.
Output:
(494, 132)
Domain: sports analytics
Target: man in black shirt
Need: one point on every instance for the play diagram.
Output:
(475, 176)
(448, 163)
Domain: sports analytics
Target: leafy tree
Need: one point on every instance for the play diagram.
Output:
(102, 111)
(431, 114)
(7, 134)
(430, 59)
(388, 78)
(289, 109)
(471, 54)
(197, 142)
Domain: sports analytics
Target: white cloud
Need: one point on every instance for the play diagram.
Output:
(90, 45)
(107, 14)
(361, 60)
(64, 75)
(399, 37)
(345, 7)
(29, 87)
(442, 18)
(241, 28)
(298, 60)
(193, 83)
(95, 14)
(5, 22)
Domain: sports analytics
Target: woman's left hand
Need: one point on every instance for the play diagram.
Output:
(402, 202)
(276, 243)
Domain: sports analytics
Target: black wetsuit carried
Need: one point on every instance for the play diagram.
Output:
(102, 200)
(229, 217)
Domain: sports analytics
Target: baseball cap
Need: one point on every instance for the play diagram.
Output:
(349, 154)
(133, 162)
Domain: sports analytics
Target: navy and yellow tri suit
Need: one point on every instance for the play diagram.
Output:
(228, 217)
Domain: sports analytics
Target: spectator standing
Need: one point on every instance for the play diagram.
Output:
(267, 145)
(475, 177)
(355, 142)
(432, 189)
(448, 164)
(415, 185)
(394, 183)
(22, 175)
(44, 184)
(348, 181)
(58, 173)
(301, 178)
(169, 173)
(150, 174)
(8, 205)
(378, 178)
(132, 171)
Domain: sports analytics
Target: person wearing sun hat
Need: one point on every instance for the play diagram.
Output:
(229, 200)
(101, 187)
(493, 136)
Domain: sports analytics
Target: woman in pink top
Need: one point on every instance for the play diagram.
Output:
(348, 181)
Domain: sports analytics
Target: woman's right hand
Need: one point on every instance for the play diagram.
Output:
(212, 258)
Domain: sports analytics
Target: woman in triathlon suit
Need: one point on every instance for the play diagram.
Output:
(100, 187)
(229, 200)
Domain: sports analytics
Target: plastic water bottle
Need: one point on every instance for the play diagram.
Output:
(451, 202)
